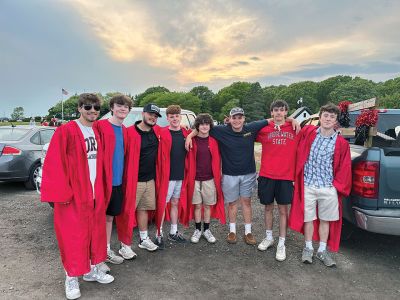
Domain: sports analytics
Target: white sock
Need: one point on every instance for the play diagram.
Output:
(143, 235)
(309, 245)
(281, 241)
(108, 247)
(69, 277)
(247, 228)
(174, 228)
(322, 246)
(159, 232)
(268, 234)
(232, 227)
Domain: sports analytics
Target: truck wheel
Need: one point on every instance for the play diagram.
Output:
(30, 184)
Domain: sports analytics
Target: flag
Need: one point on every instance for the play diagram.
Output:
(64, 92)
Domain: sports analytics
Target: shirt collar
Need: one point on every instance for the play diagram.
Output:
(327, 137)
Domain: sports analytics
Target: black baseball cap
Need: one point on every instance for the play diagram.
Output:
(152, 108)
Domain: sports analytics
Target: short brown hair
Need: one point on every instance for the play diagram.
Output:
(203, 119)
(173, 110)
(279, 103)
(330, 108)
(88, 98)
(121, 100)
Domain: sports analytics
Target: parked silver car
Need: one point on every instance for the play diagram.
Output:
(135, 114)
(20, 152)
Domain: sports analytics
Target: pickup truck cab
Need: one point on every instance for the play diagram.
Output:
(374, 202)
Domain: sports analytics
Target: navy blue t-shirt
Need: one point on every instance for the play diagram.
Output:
(118, 156)
(237, 148)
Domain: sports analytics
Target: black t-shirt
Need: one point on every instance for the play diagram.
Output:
(237, 148)
(177, 155)
(148, 154)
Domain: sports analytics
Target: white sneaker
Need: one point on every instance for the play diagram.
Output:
(148, 245)
(96, 274)
(209, 236)
(265, 244)
(72, 290)
(196, 236)
(114, 258)
(103, 267)
(280, 253)
(127, 252)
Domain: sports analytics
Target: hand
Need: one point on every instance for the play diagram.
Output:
(226, 120)
(295, 124)
(188, 143)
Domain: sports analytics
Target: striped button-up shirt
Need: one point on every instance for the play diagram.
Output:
(318, 170)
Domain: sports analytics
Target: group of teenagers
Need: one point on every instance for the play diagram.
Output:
(98, 173)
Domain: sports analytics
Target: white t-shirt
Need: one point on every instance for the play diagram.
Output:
(91, 150)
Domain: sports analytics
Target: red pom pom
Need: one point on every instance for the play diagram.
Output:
(344, 106)
(367, 117)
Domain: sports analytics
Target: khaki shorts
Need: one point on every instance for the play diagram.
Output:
(326, 199)
(204, 192)
(146, 195)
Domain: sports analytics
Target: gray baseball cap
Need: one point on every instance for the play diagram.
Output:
(236, 111)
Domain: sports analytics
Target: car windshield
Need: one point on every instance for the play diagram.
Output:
(12, 134)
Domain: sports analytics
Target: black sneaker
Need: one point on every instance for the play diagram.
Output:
(159, 241)
(177, 237)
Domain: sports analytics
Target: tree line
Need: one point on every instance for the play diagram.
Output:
(255, 99)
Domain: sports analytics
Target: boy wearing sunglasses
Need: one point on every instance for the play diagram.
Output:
(73, 181)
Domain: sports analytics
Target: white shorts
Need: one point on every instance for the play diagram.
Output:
(326, 199)
(174, 189)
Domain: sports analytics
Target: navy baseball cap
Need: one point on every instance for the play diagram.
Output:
(152, 108)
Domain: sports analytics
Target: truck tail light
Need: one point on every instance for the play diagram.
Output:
(8, 150)
(366, 179)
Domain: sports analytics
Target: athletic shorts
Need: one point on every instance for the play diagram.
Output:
(115, 206)
(270, 189)
(174, 189)
(234, 187)
(146, 195)
(326, 199)
(204, 192)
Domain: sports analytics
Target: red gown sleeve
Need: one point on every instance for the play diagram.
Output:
(55, 184)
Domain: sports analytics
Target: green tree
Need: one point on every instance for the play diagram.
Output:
(237, 90)
(227, 107)
(151, 90)
(206, 97)
(185, 100)
(390, 101)
(307, 90)
(326, 86)
(18, 113)
(254, 103)
(355, 90)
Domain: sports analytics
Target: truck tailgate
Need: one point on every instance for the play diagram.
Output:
(389, 178)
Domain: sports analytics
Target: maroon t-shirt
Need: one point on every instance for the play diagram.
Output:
(203, 160)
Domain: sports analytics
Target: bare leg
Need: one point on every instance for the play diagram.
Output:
(174, 210)
(268, 216)
(308, 230)
(232, 211)
(207, 213)
(109, 224)
(283, 217)
(142, 218)
(197, 213)
(246, 207)
(323, 231)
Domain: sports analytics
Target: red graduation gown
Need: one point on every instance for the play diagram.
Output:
(80, 225)
(341, 181)
(107, 136)
(217, 210)
(126, 221)
(162, 179)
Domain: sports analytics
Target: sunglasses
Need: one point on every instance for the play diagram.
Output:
(90, 106)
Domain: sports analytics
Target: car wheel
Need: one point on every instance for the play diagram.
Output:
(33, 174)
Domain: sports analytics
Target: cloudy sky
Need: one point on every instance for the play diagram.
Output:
(128, 46)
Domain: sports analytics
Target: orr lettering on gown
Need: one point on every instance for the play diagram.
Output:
(91, 147)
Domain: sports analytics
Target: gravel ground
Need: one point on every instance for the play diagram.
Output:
(30, 267)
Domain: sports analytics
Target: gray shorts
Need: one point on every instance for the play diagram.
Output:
(234, 187)
(174, 189)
